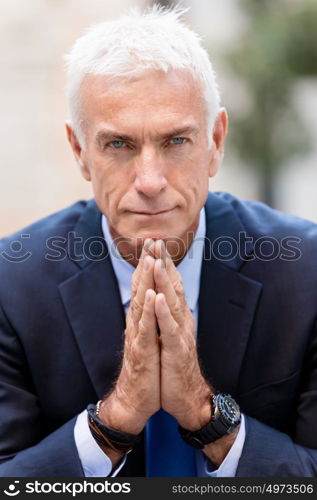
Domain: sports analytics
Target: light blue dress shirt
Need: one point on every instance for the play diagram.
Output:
(94, 462)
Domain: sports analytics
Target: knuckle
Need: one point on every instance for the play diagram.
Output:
(129, 326)
(178, 306)
(178, 310)
(178, 314)
(187, 349)
(136, 306)
(142, 327)
(136, 276)
(173, 330)
(178, 287)
(184, 349)
(127, 339)
(134, 289)
(134, 350)
(131, 321)
(134, 284)
(130, 350)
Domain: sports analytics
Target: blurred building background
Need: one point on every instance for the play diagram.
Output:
(264, 52)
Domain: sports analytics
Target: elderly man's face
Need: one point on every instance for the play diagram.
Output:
(147, 152)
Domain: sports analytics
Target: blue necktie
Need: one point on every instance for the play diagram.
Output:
(167, 455)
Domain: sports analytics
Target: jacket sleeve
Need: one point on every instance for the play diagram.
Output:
(26, 448)
(268, 452)
(54, 456)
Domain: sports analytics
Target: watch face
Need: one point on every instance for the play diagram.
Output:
(229, 409)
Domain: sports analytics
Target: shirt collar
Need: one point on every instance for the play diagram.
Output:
(189, 267)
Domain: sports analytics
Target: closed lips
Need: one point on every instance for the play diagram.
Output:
(154, 213)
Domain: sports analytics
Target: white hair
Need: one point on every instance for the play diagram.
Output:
(129, 46)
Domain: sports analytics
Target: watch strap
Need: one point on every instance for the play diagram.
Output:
(208, 434)
(214, 430)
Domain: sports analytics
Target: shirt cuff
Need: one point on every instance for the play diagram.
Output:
(94, 461)
(229, 465)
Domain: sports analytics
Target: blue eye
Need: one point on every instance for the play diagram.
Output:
(117, 144)
(178, 140)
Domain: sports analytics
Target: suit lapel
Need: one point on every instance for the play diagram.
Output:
(227, 300)
(92, 301)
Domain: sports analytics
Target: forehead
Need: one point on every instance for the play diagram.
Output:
(154, 99)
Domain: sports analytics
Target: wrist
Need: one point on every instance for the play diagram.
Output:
(218, 450)
(119, 416)
(106, 437)
(198, 416)
(196, 419)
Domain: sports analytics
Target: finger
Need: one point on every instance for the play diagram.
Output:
(146, 282)
(159, 250)
(150, 245)
(162, 250)
(137, 273)
(139, 286)
(167, 261)
(169, 330)
(174, 275)
(147, 329)
(165, 286)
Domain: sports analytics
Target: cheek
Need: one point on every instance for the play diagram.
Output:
(109, 186)
(193, 180)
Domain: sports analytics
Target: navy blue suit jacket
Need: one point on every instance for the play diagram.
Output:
(61, 326)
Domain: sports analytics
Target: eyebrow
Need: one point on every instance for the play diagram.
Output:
(107, 134)
(189, 129)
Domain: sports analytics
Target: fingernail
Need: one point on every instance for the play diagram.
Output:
(148, 296)
(148, 242)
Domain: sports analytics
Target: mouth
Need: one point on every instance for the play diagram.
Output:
(152, 214)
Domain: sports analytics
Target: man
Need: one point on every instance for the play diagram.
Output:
(206, 306)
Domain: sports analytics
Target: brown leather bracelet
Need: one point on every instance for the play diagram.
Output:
(106, 437)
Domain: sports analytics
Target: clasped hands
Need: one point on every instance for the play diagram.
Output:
(160, 368)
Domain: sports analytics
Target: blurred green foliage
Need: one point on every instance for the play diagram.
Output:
(279, 47)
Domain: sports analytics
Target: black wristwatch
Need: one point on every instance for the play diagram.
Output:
(226, 417)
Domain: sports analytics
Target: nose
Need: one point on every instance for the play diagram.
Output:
(149, 174)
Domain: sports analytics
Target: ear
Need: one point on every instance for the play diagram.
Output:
(79, 153)
(218, 140)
